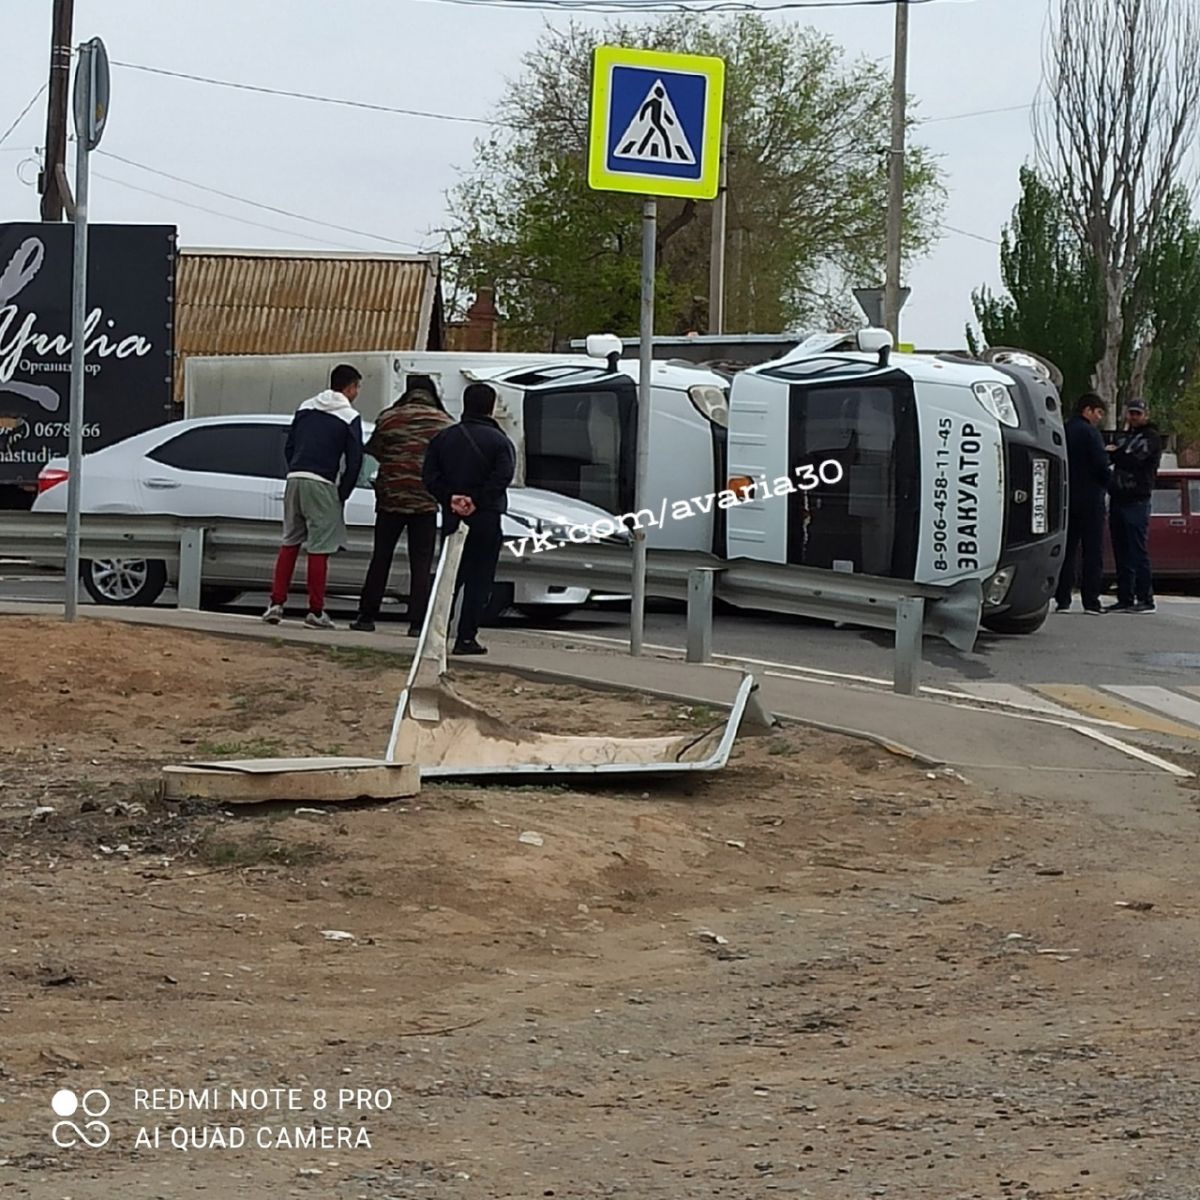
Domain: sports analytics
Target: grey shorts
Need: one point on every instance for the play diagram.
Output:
(313, 517)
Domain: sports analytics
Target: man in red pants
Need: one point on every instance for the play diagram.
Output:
(324, 453)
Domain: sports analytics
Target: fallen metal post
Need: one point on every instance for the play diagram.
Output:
(700, 615)
(191, 567)
(450, 737)
(910, 625)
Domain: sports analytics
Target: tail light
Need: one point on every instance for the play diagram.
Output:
(742, 486)
(50, 477)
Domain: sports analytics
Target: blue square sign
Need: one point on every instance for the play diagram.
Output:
(656, 123)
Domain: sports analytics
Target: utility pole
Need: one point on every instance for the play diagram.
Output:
(716, 278)
(53, 201)
(637, 611)
(895, 210)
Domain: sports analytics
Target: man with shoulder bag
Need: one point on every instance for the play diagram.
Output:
(468, 470)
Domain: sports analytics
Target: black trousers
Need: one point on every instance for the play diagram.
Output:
(477, 569)
(1085, 532)
(422, 534)
(1129, 527)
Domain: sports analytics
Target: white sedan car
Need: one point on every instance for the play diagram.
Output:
(235, 467)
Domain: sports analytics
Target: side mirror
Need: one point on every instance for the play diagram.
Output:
(872, 341)
(604, 345)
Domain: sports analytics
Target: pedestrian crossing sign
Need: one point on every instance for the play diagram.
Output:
(656, 123)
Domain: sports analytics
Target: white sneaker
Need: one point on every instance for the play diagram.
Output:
(321, 622)
(274, 614)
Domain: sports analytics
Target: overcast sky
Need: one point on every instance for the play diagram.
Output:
(386, 174)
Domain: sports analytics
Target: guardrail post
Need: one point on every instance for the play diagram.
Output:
(700, 615)
(910, 628)
(191, 567)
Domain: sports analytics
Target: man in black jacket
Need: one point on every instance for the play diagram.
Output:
(1088, 472)
(1136, 453)
(468, 469)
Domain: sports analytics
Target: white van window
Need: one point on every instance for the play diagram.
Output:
(578, 443)
(868, 518)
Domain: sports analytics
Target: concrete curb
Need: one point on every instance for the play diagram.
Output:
(600, 685)
(302, 637)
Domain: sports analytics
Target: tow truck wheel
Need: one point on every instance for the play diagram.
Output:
(1008, 623)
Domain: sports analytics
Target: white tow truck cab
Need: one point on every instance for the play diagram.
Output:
(572, 417)
(936, 469)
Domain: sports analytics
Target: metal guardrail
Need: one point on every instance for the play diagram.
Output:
(186, 544)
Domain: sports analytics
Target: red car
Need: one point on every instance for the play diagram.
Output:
(1174, 526)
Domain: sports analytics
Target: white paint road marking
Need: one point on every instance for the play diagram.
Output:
(1134, 752)
(1016, 697)
(1007, 697)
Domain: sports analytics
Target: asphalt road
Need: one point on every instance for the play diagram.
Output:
(1162, 649)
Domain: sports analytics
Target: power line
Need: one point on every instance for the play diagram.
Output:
(23, 114)
(283, 212)
(978, 237)
(133, 187)
(984, 112)
(267, 91)
(459, 118)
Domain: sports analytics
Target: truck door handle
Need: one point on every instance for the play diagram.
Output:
(1177, 522)
(160, 484)
(280, 495)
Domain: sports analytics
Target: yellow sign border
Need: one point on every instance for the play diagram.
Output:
(600, 178)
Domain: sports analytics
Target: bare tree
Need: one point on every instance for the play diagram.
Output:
(1121, 106)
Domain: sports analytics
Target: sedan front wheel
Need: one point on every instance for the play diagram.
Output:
(128, 581)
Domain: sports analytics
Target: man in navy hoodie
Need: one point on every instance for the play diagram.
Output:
(324, 454)
(1088, 473)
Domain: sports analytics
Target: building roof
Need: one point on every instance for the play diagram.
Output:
(310, 302)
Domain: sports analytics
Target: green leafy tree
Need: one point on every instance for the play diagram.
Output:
(1165, 364)
(1052, 306)
(807, 190)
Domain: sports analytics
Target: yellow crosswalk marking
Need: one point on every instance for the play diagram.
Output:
(1093, 703)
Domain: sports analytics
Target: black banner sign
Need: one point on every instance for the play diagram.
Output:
(128, 342)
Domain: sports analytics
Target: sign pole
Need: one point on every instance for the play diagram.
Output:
(78, 319)
(637, 613)
(654, 130)
(91, 114)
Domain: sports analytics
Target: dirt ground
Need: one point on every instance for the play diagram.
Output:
(823, 972)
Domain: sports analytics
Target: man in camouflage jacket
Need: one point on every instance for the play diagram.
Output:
(402, 505)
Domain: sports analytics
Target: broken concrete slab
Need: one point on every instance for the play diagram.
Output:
(314, 780)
